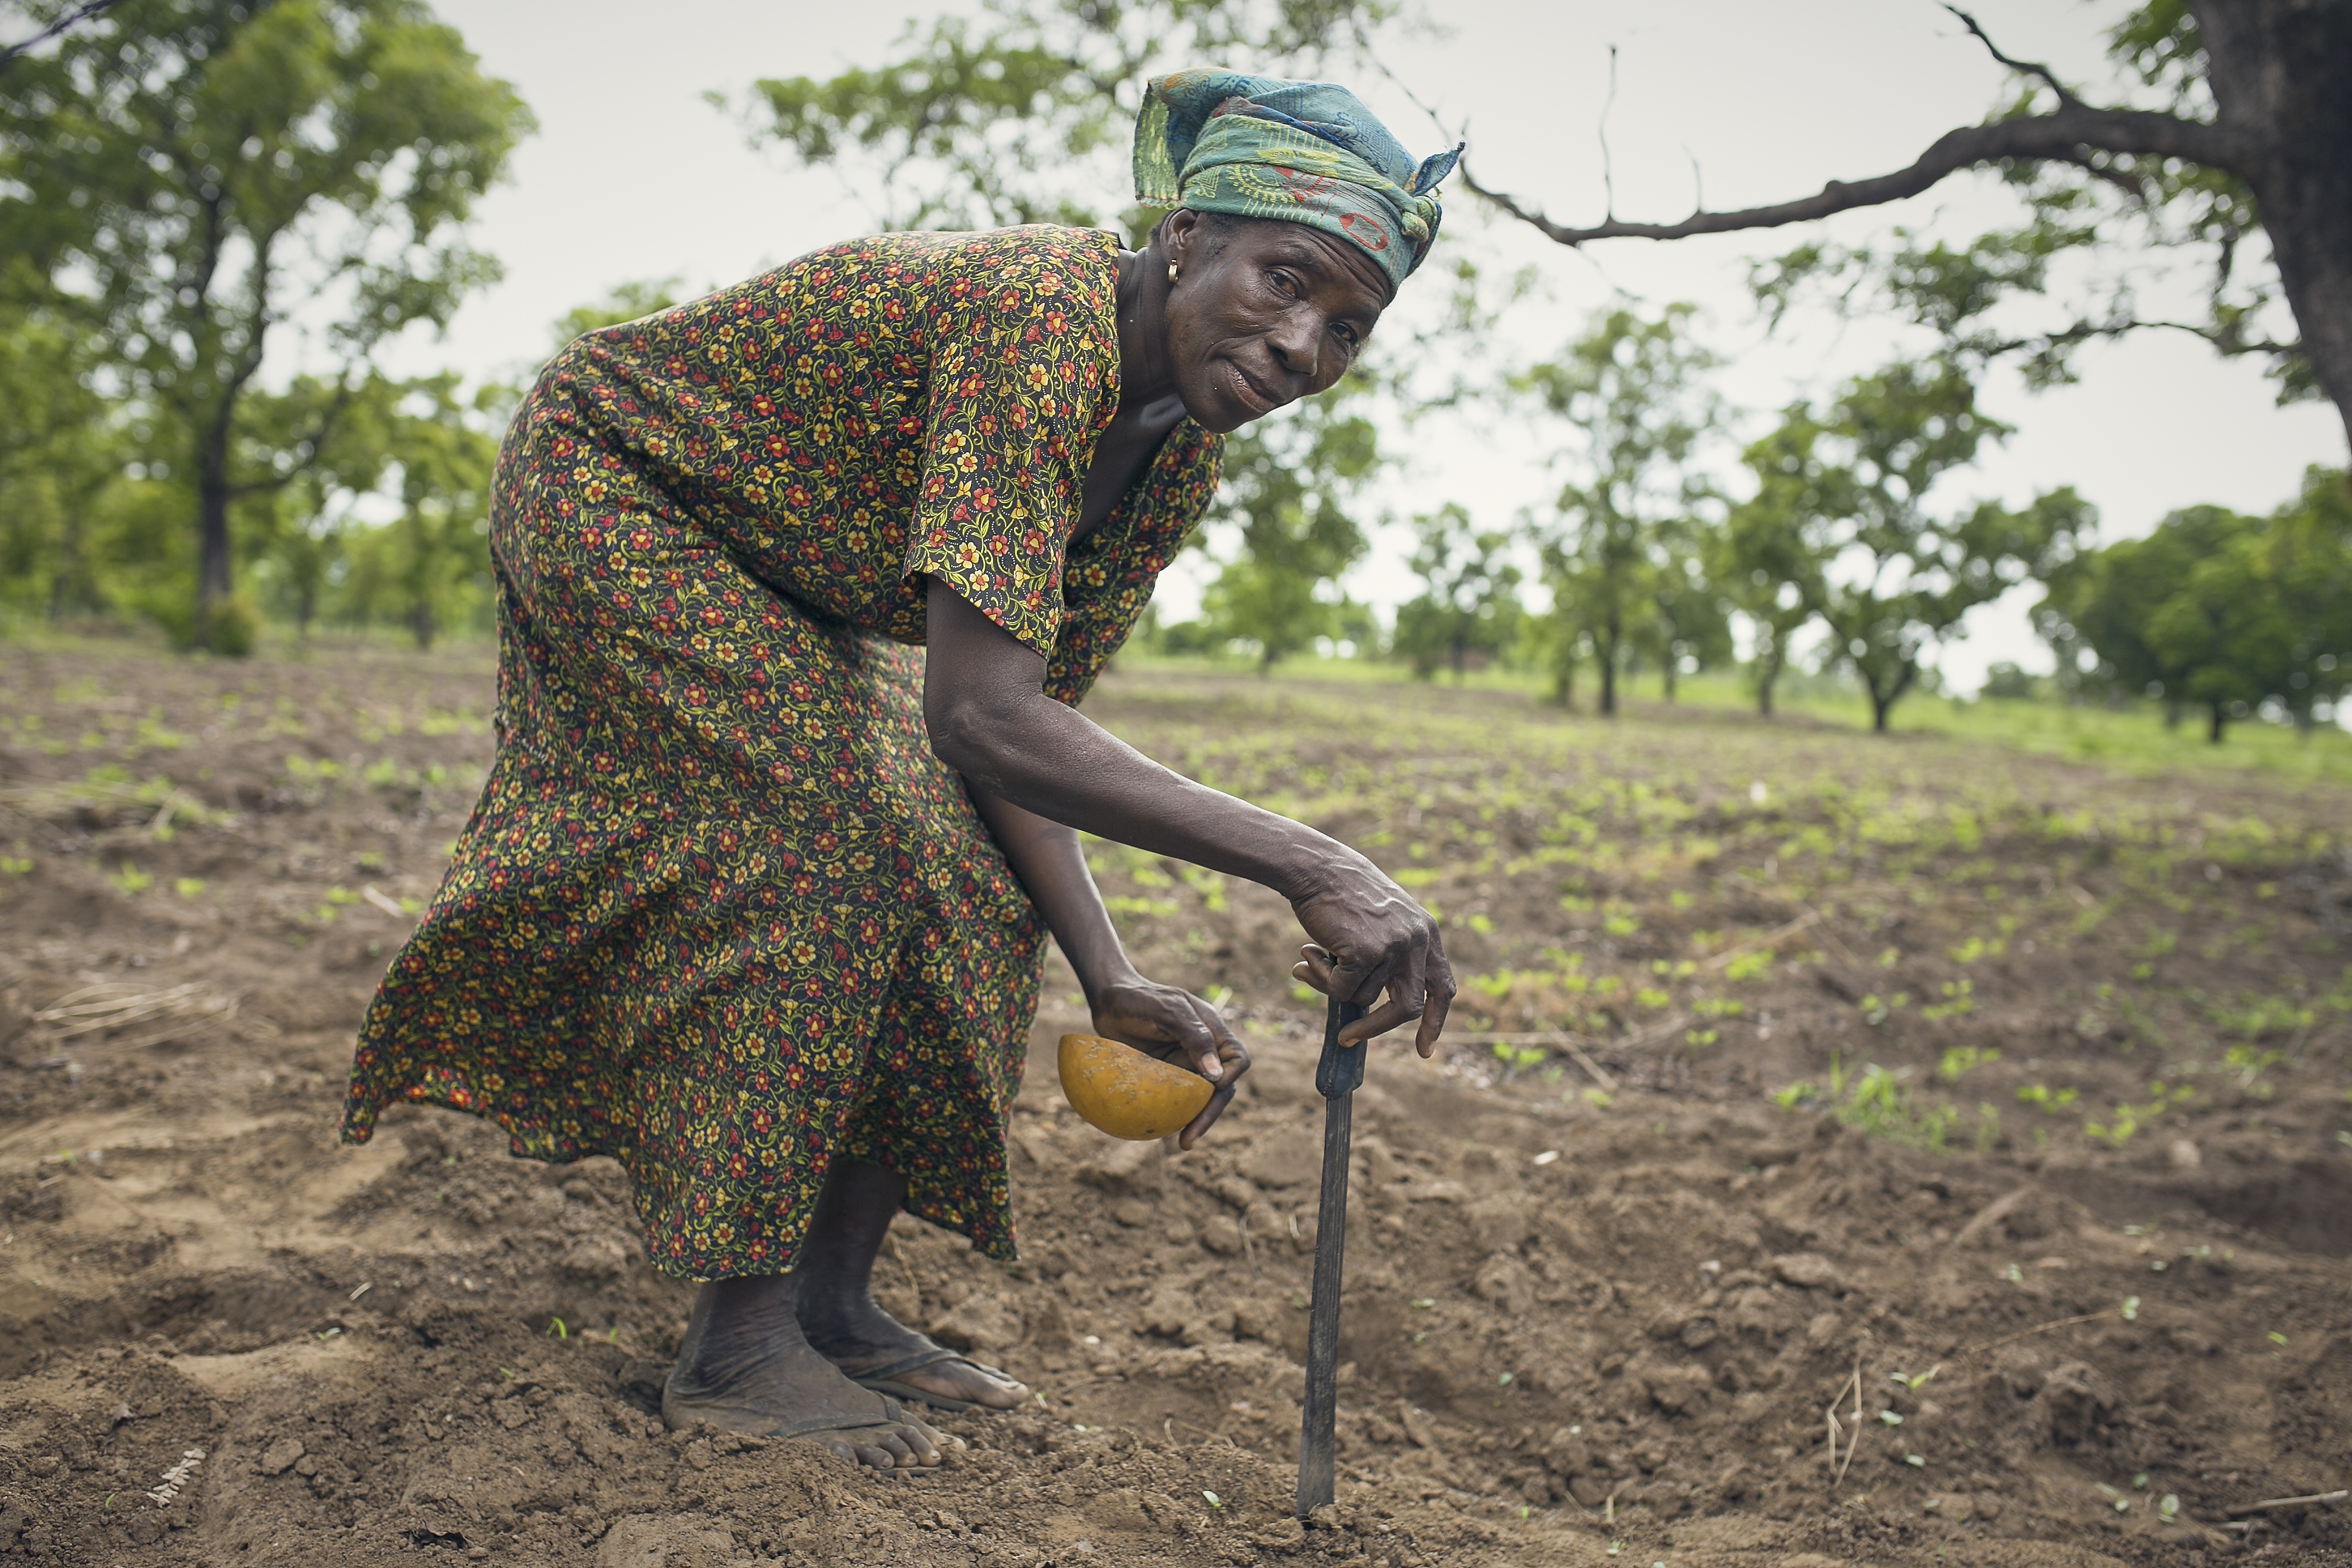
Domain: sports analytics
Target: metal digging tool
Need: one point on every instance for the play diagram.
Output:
(1337, 1078)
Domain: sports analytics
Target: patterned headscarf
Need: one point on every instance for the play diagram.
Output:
(1256, 146)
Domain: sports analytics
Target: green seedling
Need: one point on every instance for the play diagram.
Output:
(1516, 1059)
(1959, 998)
(1958, 1061)
(556, 1329)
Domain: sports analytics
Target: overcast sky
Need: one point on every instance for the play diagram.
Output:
(633, 175)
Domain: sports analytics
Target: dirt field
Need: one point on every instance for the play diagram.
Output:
(2000, 1104)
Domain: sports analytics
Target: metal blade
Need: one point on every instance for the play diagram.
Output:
(1337, 1076)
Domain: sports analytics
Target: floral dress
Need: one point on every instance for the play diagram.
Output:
(720, 913)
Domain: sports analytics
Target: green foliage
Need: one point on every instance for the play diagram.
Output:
(1023, 113)
(178, 178)
(1874, 1101)
(1766, 557)
(1624, 529)
(1852, 487)
(628, 302)
(1470, 605)
(2219, 610)
(1285, 481)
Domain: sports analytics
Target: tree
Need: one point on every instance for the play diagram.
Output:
(187, 178)
(422, 569)
(2307, 560)
(2220, 610)
(1895, 579)
(1768, 558)
(1629, 390)
(2241, 141)
(1687, 618)
(2101, 600)
(1286, 478)
(62, 449)
(1023, 113)
(1470, 604)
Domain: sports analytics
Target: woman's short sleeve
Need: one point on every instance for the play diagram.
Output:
(1024, 375)
(1109, 578)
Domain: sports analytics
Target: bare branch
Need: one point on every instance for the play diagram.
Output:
(72, 18)
(2022, 68)
(2226, 338)
(2072, 134)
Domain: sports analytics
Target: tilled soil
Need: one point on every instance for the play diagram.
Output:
(1606, 1285)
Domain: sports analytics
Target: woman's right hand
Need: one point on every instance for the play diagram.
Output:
(1370, 937)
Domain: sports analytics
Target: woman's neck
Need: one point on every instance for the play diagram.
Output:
(1145, 374)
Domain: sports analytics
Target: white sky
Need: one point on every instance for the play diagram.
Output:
(633, 175)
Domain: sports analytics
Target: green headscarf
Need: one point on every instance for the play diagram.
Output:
(1306, 151)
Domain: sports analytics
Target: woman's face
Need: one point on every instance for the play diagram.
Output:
(1262, 313)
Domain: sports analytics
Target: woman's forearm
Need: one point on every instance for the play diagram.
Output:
(1052, 867)
(991, 722)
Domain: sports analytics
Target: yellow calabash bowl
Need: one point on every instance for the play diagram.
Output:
(1120, 1090)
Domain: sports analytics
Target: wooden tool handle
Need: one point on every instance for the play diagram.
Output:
(1336, 1077)
(1341, 1069)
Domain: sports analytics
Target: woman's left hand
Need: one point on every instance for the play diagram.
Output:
(1178, 1027)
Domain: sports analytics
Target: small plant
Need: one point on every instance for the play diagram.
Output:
(1516, 1059)
(1876, 1103)
(2247, 1065)
(1959, 998)
(1958, 1061)
(131, 880)
(1748, 965)
(2053, 1101)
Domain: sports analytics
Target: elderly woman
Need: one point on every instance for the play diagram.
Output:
(752, 898)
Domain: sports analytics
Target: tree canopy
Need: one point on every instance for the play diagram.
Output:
(184, 183)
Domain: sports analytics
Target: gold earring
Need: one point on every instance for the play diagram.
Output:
(1171, 272)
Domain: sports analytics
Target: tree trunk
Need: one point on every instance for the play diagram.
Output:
(1881, 706)
(1767, 671)
(2278, 71)
(213, 581)
(2213, 731)
(1608, 680)
(1671, 672)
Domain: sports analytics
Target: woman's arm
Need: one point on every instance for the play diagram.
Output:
(990, 720)
(1169, 1023)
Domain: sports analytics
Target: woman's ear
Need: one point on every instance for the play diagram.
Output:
(1179, 232)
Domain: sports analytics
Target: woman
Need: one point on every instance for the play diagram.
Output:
(751, 901)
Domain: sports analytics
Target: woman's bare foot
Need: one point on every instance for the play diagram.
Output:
(744, 1366)
(836, 1310)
